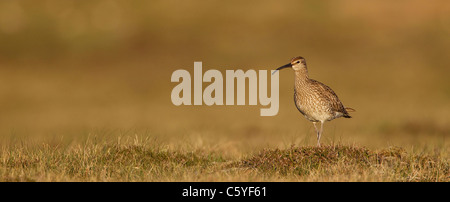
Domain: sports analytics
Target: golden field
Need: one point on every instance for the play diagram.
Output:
(85, 90)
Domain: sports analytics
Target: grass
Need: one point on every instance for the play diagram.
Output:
(350, 163)
(97, 161)
(142, 160)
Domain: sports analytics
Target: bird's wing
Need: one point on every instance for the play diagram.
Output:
(330, 96)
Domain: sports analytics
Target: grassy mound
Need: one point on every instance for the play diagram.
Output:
(392, 163)
(97, 160)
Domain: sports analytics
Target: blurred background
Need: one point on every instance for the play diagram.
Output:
(76, 67)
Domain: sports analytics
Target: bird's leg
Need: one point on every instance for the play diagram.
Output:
(317, 132)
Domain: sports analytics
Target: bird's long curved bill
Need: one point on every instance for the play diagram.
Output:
(282, 67)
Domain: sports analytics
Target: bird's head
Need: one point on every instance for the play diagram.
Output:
(297, 63)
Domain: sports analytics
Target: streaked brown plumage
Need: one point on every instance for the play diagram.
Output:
(315, 100)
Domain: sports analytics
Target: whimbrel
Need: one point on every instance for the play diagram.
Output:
(315, 100)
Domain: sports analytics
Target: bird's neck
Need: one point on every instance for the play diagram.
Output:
(301, 80)
(301, 75)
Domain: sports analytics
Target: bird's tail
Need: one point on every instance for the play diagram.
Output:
(348, 109)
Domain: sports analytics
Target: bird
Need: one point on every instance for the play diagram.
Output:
(316, 101)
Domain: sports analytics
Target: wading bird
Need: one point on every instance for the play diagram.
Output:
(315, 100)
